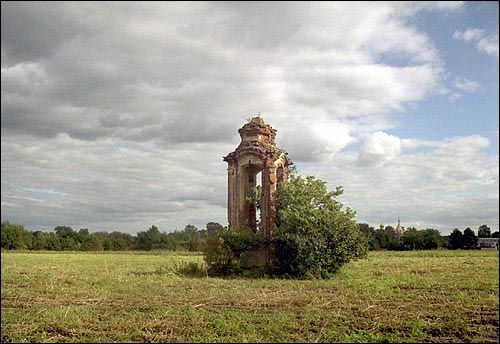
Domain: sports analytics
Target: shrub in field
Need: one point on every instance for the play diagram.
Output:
(313, 239)
(315, 236)
(224, 251)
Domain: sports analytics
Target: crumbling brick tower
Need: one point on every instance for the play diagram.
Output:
(256, 153)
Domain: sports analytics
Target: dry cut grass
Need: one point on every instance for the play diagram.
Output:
(425, 296)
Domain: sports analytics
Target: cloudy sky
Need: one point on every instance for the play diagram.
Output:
(116, 115)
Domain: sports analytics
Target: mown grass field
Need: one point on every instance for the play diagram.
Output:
(420, 296)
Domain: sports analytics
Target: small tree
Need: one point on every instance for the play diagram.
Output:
(484, 231)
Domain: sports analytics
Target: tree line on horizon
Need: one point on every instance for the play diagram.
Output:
(427, 239)
(64, 238)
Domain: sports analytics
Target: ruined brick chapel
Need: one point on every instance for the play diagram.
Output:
(256, 155)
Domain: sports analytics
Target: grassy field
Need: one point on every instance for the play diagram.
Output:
(421, 296)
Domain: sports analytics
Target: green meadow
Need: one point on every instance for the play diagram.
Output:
(415, 296)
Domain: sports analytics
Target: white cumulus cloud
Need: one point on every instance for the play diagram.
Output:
(465, 84)
(316, 142)
(379, 148)
(485, 43)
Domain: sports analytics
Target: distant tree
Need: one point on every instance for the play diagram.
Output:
(190, 229)
(91, 243)
(143, 243)
(445, 241)
(484, 231)
(170, 241)
(119, 241)
(103, 238)
(386, 238)
(149, 240)
(470, 239)
(495, 234)
(39, 241)
(63, 231)
(214, 227)
(15, 237)
(369, 232)
(68, 238)
(82, 234)
(192, 238)
(68, 244)
(456, 240)
(53, 242)
(432, 239)
(412, 240)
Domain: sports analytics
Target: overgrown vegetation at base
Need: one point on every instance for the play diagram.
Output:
(414, 296)
(313, 239)
(225, 251)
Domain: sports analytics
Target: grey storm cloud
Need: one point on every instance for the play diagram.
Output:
(33, 30)
(116, 115)
(172, 71)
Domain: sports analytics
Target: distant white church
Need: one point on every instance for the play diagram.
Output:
(399, 229)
